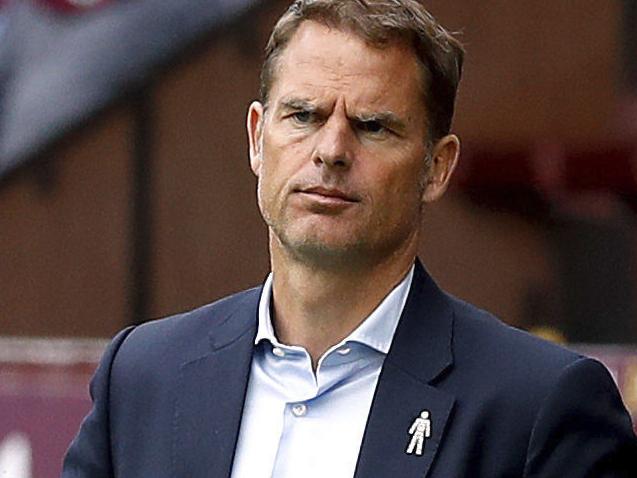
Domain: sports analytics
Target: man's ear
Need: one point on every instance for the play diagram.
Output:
(444, 158)
(254, 124)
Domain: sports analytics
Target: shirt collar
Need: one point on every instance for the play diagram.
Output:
(376, 331)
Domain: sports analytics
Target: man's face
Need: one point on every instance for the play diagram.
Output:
(340, 153)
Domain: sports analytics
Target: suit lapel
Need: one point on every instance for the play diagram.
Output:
(420, 352)
(210, 397)
(398, 403)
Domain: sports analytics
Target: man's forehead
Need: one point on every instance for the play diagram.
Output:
(320, 62)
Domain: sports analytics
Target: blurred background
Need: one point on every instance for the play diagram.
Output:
(125, 191)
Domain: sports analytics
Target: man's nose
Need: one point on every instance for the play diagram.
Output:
(334, 144)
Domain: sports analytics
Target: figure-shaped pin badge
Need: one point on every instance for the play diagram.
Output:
(420, 429)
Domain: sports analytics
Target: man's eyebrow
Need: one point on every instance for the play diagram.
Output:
(297, 104)
(386, 118)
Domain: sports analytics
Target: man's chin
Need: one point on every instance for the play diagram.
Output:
(326, 252)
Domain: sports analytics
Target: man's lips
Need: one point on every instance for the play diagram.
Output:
(329, 194)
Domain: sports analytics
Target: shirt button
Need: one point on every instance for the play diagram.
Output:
(299, 410)
(278, 352)
(344, 350)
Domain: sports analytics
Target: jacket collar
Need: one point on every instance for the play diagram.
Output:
(422, 345)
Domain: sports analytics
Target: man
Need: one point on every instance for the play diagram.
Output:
(349, 352)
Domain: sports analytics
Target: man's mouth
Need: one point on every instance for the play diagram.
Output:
(329, 194)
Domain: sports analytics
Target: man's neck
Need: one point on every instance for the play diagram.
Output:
(317, 307)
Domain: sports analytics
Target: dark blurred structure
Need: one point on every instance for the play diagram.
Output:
(125, 192)
(628, 69)
(629, 46)
(595, 265)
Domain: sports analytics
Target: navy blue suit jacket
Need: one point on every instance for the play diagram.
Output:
(168, 398)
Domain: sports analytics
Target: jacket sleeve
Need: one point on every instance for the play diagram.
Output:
(89, 455)
(582, 429)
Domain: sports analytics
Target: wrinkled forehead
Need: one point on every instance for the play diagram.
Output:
(323, 61)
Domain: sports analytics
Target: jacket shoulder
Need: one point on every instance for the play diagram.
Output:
(177, 338)
(485, 340)
(205, 316)
(502, 365)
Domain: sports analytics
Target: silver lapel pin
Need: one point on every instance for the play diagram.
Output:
(419, 431)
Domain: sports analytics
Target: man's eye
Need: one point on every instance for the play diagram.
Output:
(371, 126)
(302, 116)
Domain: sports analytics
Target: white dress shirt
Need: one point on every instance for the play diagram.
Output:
(297, 423)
